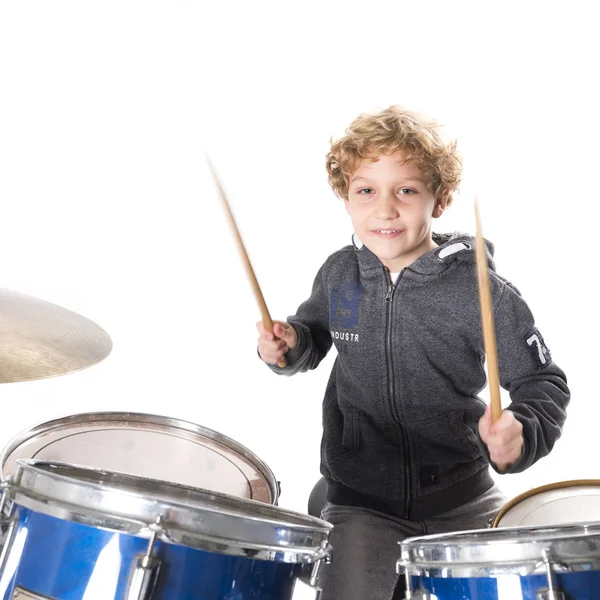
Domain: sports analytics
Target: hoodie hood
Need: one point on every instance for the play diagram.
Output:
(451, 247)
(455, 243)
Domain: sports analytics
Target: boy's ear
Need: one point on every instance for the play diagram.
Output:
(440, 206)
(347, 205)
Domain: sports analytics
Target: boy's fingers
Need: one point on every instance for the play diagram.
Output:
(280, 330)
(264, 334)
(285, 332)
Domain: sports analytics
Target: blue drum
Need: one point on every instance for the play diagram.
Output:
(528, 563)
(77, 533)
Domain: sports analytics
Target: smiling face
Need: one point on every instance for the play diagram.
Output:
(391, 208)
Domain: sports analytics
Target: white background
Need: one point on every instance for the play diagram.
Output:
(107, 110)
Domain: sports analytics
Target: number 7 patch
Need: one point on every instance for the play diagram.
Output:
(538, 348)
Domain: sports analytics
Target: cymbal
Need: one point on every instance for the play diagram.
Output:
(39, 339)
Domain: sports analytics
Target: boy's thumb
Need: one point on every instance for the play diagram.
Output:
(485, 423)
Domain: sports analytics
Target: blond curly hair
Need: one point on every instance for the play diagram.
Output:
(383, 133)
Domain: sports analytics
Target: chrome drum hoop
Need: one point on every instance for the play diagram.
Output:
(189, 516)
(494, 552)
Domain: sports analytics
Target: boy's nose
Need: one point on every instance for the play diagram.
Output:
(386, 207)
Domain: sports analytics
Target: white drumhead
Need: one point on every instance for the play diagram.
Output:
(554, 504)
(149, 446)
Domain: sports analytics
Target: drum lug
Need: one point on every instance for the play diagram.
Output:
(549, 595)
(312, 580)
(552, 592)
(421, 594)
(6, 541)
(326, 559)
(6, 504)
(144, 574)
(7, 523)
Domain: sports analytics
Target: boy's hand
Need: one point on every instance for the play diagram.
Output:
(504, 438)
(273, 346)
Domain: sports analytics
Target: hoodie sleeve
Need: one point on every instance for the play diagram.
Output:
(537, 386)
(311, 323)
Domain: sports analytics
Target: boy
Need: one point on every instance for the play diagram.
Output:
(406, 441)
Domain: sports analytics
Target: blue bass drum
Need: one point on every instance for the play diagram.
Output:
(534, 563)
(76, 533)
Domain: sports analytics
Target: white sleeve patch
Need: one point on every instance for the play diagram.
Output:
(538, 348)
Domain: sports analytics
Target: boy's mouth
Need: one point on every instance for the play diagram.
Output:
(387, 232)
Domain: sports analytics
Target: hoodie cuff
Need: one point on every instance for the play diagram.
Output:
(299, 349)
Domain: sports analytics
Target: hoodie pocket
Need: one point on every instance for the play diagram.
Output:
(445, 440)
(351, 435)
(343, 441)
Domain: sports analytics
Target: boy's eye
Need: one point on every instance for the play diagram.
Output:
(406, 191)
(365, 191)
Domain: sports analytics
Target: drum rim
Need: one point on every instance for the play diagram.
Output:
(540, 489)
(475, 553)
(139, 418)
(59, 490)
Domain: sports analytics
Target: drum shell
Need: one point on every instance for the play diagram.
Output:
(576, 586)
(64, 560)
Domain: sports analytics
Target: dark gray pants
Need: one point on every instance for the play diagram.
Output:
(365, 544)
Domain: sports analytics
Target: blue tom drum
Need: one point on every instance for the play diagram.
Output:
(526, 563)
(78, 533)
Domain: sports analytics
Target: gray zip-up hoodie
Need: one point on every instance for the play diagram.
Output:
(401, 408)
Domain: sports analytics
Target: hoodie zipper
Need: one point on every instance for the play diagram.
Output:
(389, 297)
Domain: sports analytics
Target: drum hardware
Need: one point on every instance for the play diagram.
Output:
(5, 502)
(6, 520)
(313, 582)
(309, 576)
(6, 541)
(7, 523)
(420, 594)
(552, 593)
(144, 575)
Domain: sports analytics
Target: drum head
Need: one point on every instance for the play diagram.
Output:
(576, 501)
(147, 446)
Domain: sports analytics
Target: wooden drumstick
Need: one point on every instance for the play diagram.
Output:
(487, 318)
(266, 317)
